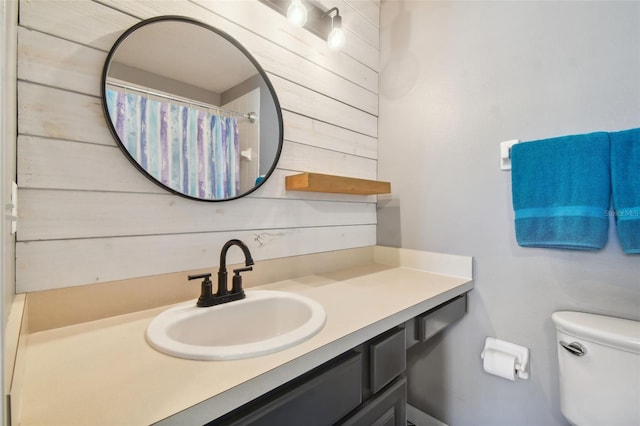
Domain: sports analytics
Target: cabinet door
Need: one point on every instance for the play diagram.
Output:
(387, 409)
(387, 419)
(319, 400)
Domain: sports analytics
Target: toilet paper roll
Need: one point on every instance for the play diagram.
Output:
(500, 364)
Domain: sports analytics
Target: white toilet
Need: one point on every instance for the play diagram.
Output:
(599, 360)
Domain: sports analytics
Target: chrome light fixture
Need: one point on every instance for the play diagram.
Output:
(336, 38)
(297, 13)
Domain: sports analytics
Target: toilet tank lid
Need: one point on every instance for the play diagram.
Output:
(616, 332)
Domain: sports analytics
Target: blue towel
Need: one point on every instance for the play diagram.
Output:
(561, 191)
(625, 184)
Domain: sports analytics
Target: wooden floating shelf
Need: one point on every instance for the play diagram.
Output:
(316, 182)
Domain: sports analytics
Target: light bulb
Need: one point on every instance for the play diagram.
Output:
(297, 13)
(336, 39)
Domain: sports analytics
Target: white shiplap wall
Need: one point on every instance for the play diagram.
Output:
(87, 215)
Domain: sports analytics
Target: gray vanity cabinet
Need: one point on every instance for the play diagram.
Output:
(365, 386)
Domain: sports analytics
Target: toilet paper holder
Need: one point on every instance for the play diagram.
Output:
(521, 354)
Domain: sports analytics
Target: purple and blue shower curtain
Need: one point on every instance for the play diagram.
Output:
(189, 150)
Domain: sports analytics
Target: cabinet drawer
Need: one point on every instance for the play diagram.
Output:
(387, 359)
(320, 400)
(433, 321)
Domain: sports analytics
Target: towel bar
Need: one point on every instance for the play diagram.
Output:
(505, 153)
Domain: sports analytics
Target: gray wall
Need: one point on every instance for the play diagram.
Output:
(457, 78)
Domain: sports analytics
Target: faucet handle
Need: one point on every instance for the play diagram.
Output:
(236, 286)
(206, 291)
(195, 277)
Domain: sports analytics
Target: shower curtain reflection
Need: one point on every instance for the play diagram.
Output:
(188, 149)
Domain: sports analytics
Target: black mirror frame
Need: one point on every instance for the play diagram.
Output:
(242, 49)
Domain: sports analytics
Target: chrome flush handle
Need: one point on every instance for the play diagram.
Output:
(575, 348)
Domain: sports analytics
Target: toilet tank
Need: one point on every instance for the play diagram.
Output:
(601, 386)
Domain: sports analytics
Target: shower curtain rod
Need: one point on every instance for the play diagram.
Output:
(251, 116)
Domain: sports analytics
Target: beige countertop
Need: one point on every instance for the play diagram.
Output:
(103, 372)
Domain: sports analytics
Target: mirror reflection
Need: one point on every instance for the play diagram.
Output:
(192, 109)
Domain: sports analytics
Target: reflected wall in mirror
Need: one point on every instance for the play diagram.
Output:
(192, 109)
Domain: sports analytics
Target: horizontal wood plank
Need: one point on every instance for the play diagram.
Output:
(305, 130)
(323, 108)
(41, 57)
(54, 113)
(305, 158)
(48, 215)
(60, 164)
(46, 265)
(83, 21)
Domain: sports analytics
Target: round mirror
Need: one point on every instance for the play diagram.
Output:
(192, 109)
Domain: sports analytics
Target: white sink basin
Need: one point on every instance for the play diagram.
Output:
(262, 323)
